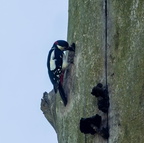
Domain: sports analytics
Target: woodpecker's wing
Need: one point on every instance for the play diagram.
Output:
(54, 64)
(58, 58)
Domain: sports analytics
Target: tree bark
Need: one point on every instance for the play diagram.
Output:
(125, 66)
(109, 37)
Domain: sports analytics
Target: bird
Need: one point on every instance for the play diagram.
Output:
(56, 64)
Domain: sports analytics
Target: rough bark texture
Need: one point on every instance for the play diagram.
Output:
(109, 37)
(126, 70)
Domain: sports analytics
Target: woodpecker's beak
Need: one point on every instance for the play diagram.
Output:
(66, 48)
(71, 48)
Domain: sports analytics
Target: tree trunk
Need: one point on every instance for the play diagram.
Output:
(109, 37)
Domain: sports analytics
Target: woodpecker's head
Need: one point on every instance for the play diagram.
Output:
(61, 44)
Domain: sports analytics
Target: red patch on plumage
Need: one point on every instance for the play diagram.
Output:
(61, 77)
(56, 42)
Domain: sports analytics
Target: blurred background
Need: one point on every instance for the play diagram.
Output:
(28, 29)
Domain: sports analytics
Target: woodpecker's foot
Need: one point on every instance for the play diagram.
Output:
(103, 99)
(104, 132)
(90, 125)
(72, 47)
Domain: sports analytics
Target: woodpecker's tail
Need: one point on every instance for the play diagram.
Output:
(62, 94)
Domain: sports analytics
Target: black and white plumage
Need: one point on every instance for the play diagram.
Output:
(56, 64)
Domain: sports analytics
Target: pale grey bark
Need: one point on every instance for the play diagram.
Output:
(115, 56)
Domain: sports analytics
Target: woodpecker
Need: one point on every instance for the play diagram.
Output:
(56, 64)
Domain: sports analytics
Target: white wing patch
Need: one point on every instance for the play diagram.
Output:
(52, 61)
(60, 47)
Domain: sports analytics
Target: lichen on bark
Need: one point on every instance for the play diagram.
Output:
(125, 64)
(126, 35)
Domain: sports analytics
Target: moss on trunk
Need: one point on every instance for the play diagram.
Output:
(126, 75)
(88, 21)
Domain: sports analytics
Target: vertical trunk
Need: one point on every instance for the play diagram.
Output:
(109, 37)
(126, 74)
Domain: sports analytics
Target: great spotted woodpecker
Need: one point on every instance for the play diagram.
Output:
(56, 64)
